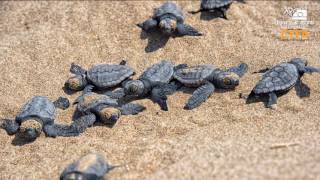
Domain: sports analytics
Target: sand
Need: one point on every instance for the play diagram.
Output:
(222, 139)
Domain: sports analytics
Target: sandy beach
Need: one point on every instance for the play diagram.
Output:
(222, 139)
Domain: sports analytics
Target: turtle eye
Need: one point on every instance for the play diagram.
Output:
(227, 81)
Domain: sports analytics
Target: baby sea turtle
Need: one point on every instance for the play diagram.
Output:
(170, 20)
(280, 79)
(92, 166)
(155, 81)
(36, 116)
(102, 76)
(220, 6)
(206, 78)
(93, 107)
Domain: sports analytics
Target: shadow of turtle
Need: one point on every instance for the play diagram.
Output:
(156, 40)
(207, 16)
(19, 140)
(68, 91)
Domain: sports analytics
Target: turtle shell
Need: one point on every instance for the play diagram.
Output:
(194, 76)
(158, 73)
(169, 8)
(91, 101)
(38, 107)
(108, 75)
(280, 78)
(91, 166)
(213, 4)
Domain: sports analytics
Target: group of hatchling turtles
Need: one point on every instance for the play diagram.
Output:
(108, 89)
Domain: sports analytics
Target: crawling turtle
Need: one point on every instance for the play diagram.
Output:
(37, 115)
(206, 78)
(93, 107)
(155, 81)
(220, 6)
(102, 76)
(280, 79)
(92, 166)
(170, 20)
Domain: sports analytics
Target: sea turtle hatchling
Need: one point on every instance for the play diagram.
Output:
(220, 6)
(170, 20)
(206, 78)
(93, 107)
(280, 79)
(155, 81)
(102, 76)
(92, 166)
(36, 115)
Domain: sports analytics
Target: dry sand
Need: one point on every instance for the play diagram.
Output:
(222, 139)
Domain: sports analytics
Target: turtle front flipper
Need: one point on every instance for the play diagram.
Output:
(88, 89)
(55, 130)
(240, 70)
(131, 109)
(62, 103)
(83, 122)
(302, 90)
(262, 70)
(116, 94)
(187, 30)
(199, 96)
(310, 70)
(77, 70)
(196, 12)
(272, 100)
(159, 94)
(180, 66)
(10, 126)
(148, 25)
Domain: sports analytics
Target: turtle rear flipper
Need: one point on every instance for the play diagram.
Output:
(187, 30)
(240, 70)
(76, 69)
(62, 103)
(10, 126)
(199, 96)
(131, 109)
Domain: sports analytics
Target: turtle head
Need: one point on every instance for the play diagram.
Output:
(76, 83)
(227, 80)
(134, 87)
(30, 129)
(109, 115)
(299, 63)
(168, 26)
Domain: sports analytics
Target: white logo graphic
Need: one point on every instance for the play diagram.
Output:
(300, 14)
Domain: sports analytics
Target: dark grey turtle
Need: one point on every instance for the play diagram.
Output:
(206, 78)
(92, 166)
(280, 79)
(155, 81)
(220, 6)
(102, 76)
(93, 107)
(35, 116)
(170, 20)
